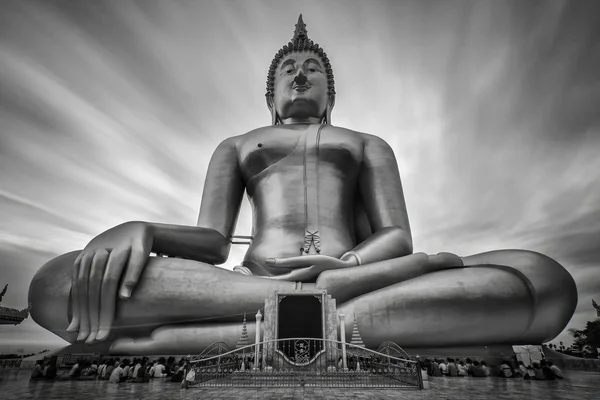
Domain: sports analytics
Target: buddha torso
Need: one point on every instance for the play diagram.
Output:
(273, 161)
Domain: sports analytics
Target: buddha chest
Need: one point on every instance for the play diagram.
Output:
(294, 148)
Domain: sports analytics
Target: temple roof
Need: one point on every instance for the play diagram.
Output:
(11, 316)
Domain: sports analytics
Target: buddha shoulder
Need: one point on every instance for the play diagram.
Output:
(282, 139)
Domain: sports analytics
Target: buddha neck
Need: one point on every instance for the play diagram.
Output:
(308, 120)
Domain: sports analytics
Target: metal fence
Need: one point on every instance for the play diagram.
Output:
(10, 363)
(304, 362)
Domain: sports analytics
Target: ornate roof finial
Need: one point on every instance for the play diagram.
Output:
(300, 32)
(3, 292)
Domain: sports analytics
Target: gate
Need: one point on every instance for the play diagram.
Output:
(304, 362)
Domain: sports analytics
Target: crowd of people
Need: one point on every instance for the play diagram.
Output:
(544, 370)
(114, 370)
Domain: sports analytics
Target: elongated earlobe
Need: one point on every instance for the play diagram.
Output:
(330, 104)
(271, 105)
(273, 117)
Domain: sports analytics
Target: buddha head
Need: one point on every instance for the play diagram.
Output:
(300, 81)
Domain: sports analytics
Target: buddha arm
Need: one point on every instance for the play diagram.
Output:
(223, 190)
(193, 243)
(383, 198)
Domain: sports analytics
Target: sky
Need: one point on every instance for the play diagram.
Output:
(110, 111)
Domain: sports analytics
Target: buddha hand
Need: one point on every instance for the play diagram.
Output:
(307, 268)
(120, 252)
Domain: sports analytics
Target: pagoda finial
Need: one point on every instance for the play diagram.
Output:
(243, 340)
(300, 32)
(356, 338)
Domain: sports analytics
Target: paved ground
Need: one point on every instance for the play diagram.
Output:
(577, 386)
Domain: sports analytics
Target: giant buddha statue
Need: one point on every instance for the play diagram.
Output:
(328, 212)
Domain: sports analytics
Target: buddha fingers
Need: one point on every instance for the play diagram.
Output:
(95, 286)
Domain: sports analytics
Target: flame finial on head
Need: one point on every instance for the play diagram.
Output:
(300, 32)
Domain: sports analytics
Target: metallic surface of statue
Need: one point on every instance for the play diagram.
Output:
(328, 211)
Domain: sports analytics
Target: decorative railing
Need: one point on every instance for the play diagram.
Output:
(304, 362)
(10, 363)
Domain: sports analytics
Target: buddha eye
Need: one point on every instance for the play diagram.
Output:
(312, 70)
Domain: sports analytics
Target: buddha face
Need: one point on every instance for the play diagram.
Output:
(301, 90)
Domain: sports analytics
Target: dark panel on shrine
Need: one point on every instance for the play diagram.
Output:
(300, 317)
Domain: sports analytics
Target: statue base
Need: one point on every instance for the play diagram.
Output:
(492, 354)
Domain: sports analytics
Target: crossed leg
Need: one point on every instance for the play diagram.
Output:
(498, 297)
(507, 296)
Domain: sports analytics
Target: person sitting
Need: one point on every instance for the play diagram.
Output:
(87, 372)
(150, 369)
(140, 372)
(557, 372)
(160, 370)
(117, 374)
(179, 372)
(506, 370)
(469, 366)
(485, 368)
(539, 374)
(435, 368)
(110, 366)
(530, 373)
(38, 370)
(75, 371)
(443, 368)
(95, 366)
(130, 373)
(452, 368)
(138, 365)
(478, 371)
(170, 366)
(126, 368)
(522, 370)
(462, 369)
(50, 371)
(427, 363)
(548, 374)
(102, 369)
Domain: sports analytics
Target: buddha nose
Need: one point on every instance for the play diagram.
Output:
(300, 78)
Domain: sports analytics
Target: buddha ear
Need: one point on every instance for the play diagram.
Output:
(271, 105)
(330, 104)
